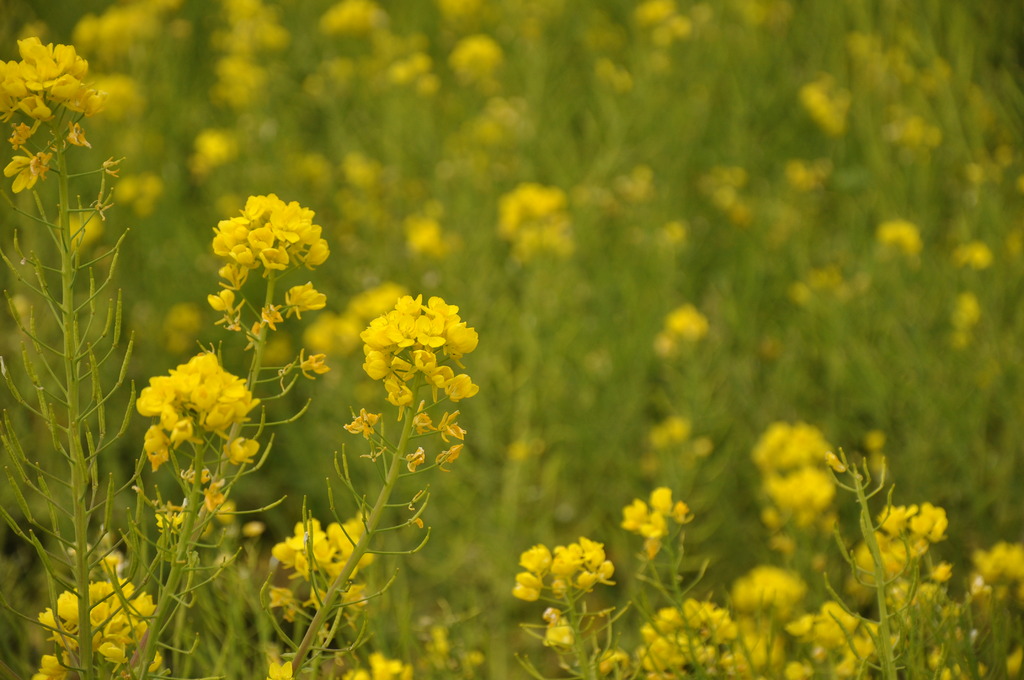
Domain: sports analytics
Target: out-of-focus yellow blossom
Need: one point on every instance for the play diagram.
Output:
(669, 432)
(975, 254)
(353, 18)
(415, 70)
(785, 446)
(768, 588)
(1001, 565)
(119, 625)
(121, 28)
(330, 548)
(684, 325)
(580, 565)
(339, 334)
(141, 192)
(535, 219)
(381, 668)
(424, 236)
(241, 81)
(900, 235)
(804, 494)
(618, 78)
(805, 176)
(475, 61)
(268, 234)
(966, 315)
(722, 185)
(361, 171)
(827, 104)
(125, 98)
(662, 22)
(830, 627)
(198, 396)
(459, 10)
(212, 149)
(677, 638)
(911, 131)
(181, 327)
(413, 340)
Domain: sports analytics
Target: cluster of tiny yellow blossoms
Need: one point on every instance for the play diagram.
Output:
(835, 632)
(579, 566)
(965, 316)
(268, 234)
(901, 236)
(120, 624)
(662, 22)
(414, 340)
(1000, 568)
(684, 325)
(791, 457)
(723, 187)
(313, 552)
(827, 104)
(650, 521)
(475, 59)
(769, 589)
(905, 533)
(535, 220)
(678, 638)
(44, 86)
(196, 397)
(381, 668)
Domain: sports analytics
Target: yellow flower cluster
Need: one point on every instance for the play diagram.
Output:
(1001, 566)
(118, 628)
(196, 397)
(676, 638)
(475, 59)
(683, 325)
(835, 631)
(381, 668)
(827, 104)
(535, 219)
(579, 565)
(723, 186)
(650, 521)
(330, 548)
(414, 340)
(768, 589)
(43, 86)
(790, 456)
(900, 235)
(965, 316)
(271, 234)
(662, 20)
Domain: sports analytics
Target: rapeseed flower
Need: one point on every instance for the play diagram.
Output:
(418, 340)
(534, 219)
(684, 325)
(196, 397)
(785, 446)
(475, 59)
(119, 617)
(827, 104)
(900, 235)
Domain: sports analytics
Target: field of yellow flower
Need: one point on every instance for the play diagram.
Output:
(379, 340)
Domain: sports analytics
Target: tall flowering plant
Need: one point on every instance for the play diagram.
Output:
(415, 351)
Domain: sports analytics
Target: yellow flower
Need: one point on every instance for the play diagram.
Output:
(900, 235)
(29, 169)
(76, 135)
(353, 17)
(280, 671)
(241, 450)
(975, 255)
(475, 59)
(304, 298)
(535, 220)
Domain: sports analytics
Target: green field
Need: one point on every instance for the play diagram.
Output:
(702, 244)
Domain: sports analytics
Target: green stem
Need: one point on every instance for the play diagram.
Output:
(884, 642)
(362, 545)
(79, 462)
(169, 598)
(586, 668)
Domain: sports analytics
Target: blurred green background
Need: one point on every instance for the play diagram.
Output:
(735, 155)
